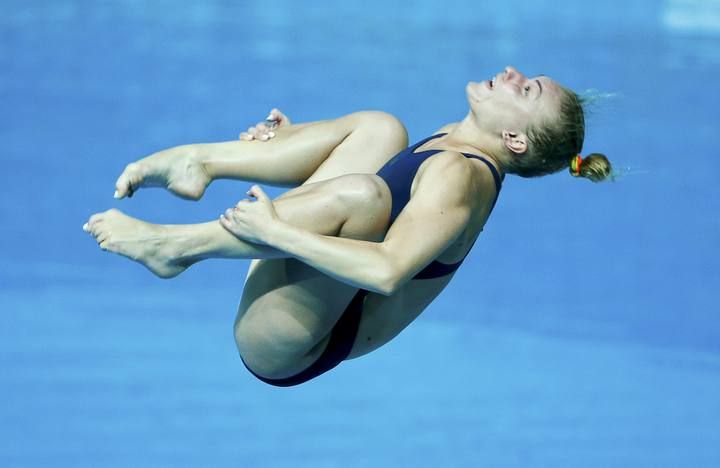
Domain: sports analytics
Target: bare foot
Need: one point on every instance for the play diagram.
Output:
(176, 169)
(137, 240)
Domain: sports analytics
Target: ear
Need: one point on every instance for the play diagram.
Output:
(515, 142)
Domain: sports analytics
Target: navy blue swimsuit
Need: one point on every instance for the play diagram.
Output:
(398, 173)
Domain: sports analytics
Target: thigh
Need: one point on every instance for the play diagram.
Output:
(375, 139)
(288, 308)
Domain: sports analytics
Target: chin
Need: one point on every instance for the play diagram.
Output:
(471, 94)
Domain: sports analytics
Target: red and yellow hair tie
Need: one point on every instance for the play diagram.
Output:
(575, 164)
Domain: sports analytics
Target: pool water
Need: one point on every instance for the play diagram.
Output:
(582, 330)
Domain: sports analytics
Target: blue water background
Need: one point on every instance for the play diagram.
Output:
(582, 331)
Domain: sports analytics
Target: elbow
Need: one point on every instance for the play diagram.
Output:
(389, 282)
(386, 289)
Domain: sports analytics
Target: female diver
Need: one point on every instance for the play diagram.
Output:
(372, 231)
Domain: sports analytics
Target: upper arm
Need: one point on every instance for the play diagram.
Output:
(437, 213)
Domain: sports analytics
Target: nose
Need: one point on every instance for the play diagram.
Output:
(511, 73)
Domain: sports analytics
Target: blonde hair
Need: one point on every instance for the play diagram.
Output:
(595, 167)
(553, 144)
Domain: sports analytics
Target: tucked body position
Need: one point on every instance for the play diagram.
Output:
(371, 231)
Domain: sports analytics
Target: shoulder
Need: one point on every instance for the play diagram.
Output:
(444, 170)
(469, 178)
(451, 165)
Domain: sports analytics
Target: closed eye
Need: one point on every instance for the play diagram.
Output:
(540, 88)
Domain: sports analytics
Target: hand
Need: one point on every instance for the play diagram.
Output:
(264, 131)
(251, 220)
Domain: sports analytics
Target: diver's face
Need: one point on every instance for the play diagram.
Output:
(512, 101)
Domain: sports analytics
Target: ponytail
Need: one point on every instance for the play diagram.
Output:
(595, 167)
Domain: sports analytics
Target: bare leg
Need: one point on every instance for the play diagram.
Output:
(356, 143)
(323, 207)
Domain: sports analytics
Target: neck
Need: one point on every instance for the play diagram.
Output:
(467, 137)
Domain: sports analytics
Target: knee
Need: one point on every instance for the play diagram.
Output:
(362, 190)
(384, 126)
(268, 348)
(366, 202)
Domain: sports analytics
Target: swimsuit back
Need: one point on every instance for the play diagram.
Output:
(399, 173)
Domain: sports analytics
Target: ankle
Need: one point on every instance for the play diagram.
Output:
(185, 244)
(201, 155)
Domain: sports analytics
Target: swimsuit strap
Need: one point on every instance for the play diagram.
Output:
(425, 140)
(496, 175)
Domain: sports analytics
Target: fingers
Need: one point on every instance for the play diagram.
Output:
(264, 131)
(254, 192)
(227, 218)
(249, 135)
(225, 222)
(261, 131)
(277, 116)
(257, 192)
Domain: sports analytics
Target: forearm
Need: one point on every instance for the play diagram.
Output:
(359, 263)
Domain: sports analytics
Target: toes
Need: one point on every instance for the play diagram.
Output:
(88, 227)
(121, 186)
(95, 222)
(102, 237)
(96, 230)
(124, 186)
(99, 217)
